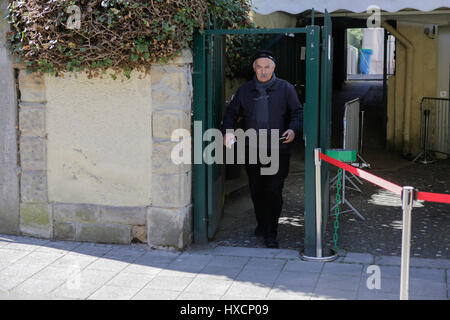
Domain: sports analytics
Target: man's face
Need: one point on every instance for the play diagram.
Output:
(264, 68)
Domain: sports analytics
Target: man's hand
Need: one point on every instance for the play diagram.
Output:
(290, 135)
(229, 137)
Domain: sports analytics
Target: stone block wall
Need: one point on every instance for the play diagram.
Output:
(170, 219)
(36, 214)
(167, 221)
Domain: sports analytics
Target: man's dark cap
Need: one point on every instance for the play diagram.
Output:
(264, 54)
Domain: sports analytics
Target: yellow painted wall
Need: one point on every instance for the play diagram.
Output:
(274, 20)
(424, 83)
(99, 140)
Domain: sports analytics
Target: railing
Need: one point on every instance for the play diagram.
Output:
(434, 128)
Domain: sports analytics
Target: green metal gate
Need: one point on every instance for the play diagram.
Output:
(208, 86)
(326, 91)
(289, 50)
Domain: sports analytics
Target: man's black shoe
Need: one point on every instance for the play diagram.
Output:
(271, 242)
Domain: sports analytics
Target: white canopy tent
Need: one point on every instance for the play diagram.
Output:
(299, 6)
(436, 12)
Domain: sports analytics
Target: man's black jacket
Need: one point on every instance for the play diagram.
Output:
(285, 109)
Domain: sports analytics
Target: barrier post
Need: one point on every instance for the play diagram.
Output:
(317, 164)
(319, 251)
(407, 204)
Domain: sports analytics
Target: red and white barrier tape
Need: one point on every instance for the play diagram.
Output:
(433, 197)
(426, 196)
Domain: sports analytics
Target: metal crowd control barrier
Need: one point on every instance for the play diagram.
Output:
(351, 125)
(352, 140)
(408, 195)
(354, 129)
(434, 126)
(352, 135)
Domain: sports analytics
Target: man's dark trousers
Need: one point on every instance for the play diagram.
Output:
(266, 193)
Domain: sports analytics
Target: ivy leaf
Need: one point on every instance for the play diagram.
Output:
(127, 72)
(107, 61)
(142, 47)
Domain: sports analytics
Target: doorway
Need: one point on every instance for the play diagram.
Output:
(236, 227)
(368, 62)
(208, 106)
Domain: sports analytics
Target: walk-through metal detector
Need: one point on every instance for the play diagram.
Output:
(208, 84)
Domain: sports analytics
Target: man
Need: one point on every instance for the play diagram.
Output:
(268, 103)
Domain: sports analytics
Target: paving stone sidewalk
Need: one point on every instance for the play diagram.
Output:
(33, 268)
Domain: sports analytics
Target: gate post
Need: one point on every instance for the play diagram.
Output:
(199, 116)
(325, 110)
(311, 134)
